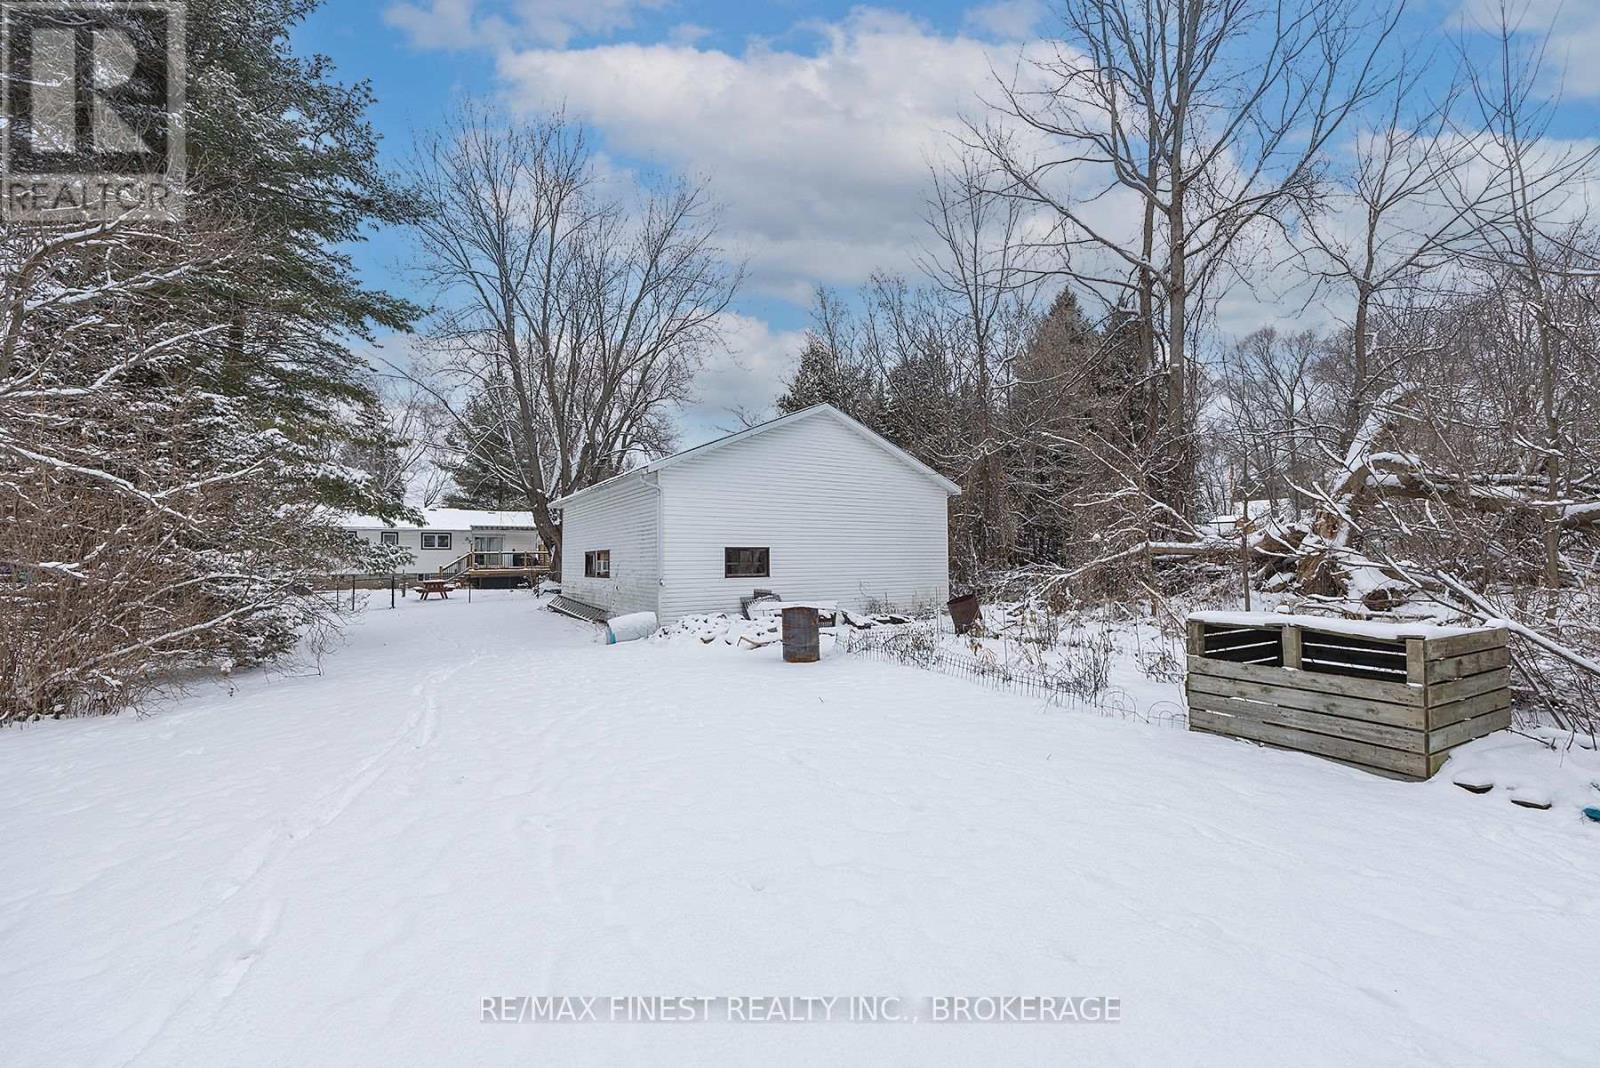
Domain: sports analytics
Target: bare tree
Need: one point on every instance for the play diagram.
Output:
(979, 265)
(573, 321)
(1273, 406)
(1209, 117)
(1393, 218)
(1527, 234)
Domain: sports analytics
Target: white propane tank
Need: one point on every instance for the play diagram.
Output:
(631, 627)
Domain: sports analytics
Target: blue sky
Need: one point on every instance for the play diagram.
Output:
(812, 122)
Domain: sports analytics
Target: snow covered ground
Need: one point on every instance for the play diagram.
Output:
(479, 800)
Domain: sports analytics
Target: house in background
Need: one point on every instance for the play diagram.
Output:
(462, 543)
(812, 505)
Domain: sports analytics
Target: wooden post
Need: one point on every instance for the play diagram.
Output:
(1416, 662)
(352, 593)
(391, 589)
(1197, 638)
(1291, 647)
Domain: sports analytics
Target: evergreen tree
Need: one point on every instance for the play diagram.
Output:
(825, 376)
(483, 473)
(281, 152)
(178, 403)
(1063, 379)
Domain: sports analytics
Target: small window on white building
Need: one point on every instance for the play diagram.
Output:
(389, 537)
(435, 541)
(747, 562)
(597, 564)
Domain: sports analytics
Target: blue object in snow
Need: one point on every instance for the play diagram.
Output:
(1593, 812)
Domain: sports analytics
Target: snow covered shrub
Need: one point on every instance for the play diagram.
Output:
(175, 399)
(142, 538)
(155, 515)
(1079, 662)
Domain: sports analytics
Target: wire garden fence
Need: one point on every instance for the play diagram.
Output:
(1079, 680)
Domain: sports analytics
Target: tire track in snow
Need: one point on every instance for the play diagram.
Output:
(233, 952)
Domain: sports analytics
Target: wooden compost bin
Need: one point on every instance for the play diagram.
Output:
(1389, 699)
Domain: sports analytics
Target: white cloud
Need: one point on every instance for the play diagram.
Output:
(1009, 20)
(819, 156)
(443, 24)
(688, 33)
(493, 24)
(1574, 37)
(744, 379)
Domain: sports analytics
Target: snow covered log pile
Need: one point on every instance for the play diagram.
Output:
(1389, 698)
(1428, 512)
(764, 628)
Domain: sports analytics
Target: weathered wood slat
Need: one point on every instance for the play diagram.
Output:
(1363, 753)
(1471, 686)
(1462, 644)
(1410, 717)
(1389, 661)
(1269, 641)
(1215, 632)
(1410, 741)
(1395, 646)
(1354, 671)
(1459, 667)
(1241, 638)
(1466, 730)
(1478, 705)
(1253, 654)
(1392, 692)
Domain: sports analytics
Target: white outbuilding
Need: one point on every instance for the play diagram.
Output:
(812, 506)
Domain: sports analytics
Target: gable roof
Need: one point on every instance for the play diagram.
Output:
(813, 412)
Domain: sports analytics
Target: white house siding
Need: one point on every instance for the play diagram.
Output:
(424, 561)
(622, 518)
(845, 520)
(428, 561)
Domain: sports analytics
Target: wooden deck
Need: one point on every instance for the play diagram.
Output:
(476, 568)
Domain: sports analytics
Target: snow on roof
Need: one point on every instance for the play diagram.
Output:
(446, 519)
(1355, 628)
(761, 428)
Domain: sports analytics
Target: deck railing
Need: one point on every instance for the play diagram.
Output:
(506, 558)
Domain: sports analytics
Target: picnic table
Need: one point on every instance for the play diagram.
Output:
(433, 586)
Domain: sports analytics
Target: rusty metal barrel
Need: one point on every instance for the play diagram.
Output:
(964, 612)
(800, 635)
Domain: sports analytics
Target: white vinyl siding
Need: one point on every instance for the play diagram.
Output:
(845, 521)
(621, 519)
(428, 561)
